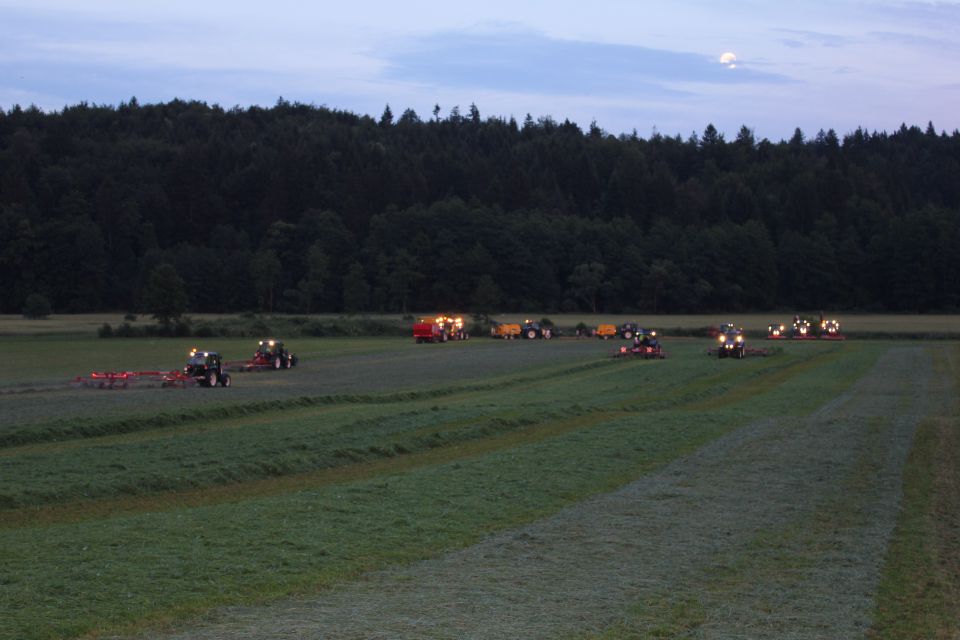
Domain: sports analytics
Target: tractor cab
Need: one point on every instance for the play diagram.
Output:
(206, 367)
(270, 348)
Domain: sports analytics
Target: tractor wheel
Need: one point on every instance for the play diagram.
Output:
(547, 334)
(721, 353)
(627, 334)
(225, 380)
(466, 336)
(294, 360)
(531, 334)
(276, 362)
(287, 363)
(211, 380)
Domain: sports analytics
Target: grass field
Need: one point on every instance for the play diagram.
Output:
(481, 489)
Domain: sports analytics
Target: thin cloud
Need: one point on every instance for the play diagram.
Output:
(801, 38)
(514, 60)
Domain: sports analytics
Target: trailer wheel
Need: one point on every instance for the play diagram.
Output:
(211, 380)
(225, 380)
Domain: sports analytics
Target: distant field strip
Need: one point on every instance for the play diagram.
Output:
(777, 529)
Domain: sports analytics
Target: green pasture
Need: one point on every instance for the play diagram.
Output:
(122, 511)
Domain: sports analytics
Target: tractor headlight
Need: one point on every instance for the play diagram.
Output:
(722, 338)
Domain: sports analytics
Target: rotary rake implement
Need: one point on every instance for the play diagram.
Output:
(127, 379)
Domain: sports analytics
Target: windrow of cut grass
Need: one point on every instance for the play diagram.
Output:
(179, 553)
(919, 593)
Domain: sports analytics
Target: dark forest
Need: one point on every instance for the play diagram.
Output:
(299, 208)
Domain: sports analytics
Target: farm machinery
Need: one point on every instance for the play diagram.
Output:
(505, 330)
(732, 343)
(204, 368)
(801, 329)
(270, 354)
(830, 330)
(645, 345)
(532, 330)
(606, 331)
(776, 331)
(439, 329)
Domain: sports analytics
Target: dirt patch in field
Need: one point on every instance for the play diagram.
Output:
(775, 530)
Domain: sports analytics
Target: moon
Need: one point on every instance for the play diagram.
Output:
(729, 59)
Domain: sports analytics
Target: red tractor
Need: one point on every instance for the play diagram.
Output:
(271, 354)
(801, 329)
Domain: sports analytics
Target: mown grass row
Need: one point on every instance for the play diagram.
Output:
(126, 569)
(919, 593)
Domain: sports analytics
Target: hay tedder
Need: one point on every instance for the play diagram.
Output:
(203, 368)
(645, 345)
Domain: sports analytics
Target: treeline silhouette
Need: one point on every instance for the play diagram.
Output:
(305, 209)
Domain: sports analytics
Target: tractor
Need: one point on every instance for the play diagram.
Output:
(775, 331)
(271, 354)
(830, 330)
(204, 368)
(453, 325)
(532, 330)
(801, 329)
(629, 329)
(733, 343)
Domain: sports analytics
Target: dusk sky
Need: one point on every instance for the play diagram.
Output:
(627, 65)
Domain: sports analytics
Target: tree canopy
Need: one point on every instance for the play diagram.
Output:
(306, 208)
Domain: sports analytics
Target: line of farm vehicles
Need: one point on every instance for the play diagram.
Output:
(203, 368)
(209, 369)
(732, 340)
